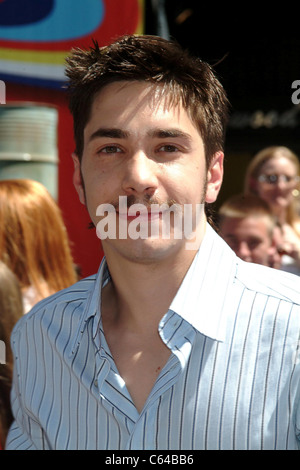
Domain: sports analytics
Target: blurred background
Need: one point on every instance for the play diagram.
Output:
(254, 48)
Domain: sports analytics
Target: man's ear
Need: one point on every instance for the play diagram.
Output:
(77, 179)
(214, 177)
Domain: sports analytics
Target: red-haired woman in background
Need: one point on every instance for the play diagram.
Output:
(33, 240)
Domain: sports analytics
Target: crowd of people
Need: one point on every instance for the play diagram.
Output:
(272, 185)
(163, 348)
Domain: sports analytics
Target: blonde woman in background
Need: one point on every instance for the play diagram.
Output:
(274, 175)
(11, 309)
(33, 240)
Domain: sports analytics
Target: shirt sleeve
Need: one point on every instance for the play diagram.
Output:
(25, 432)
(297, 425)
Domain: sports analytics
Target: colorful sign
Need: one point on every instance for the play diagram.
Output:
(36, 36)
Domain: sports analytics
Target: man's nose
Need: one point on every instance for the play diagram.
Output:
(140, 175)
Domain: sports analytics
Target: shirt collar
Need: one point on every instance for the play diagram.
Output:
(93, 303)
(204, 295)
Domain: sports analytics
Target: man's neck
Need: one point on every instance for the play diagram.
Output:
(140, 294)
(145, 293)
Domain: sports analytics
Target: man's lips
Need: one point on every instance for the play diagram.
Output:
(143, 216)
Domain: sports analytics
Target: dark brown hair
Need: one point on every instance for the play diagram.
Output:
(185, 79)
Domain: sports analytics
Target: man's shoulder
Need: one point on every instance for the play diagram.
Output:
(269, 281)
(71, 300)
(256, 277)
(74, 293)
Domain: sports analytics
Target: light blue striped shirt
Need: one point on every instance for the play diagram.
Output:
(232, 382)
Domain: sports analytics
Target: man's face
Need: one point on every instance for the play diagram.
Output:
(249, 238)
(136, 146)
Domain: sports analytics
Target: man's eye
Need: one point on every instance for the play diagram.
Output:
(254, 244)
(110, 149)
(168, 148)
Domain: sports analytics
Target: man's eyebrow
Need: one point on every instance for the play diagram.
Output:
(113, 133)
(169, 133)
(116, 133)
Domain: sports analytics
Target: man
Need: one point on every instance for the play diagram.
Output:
(246, 223)
(175, 343)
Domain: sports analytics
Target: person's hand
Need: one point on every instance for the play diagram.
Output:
(290, 243)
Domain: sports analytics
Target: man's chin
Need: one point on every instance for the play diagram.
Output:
(144, 251)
